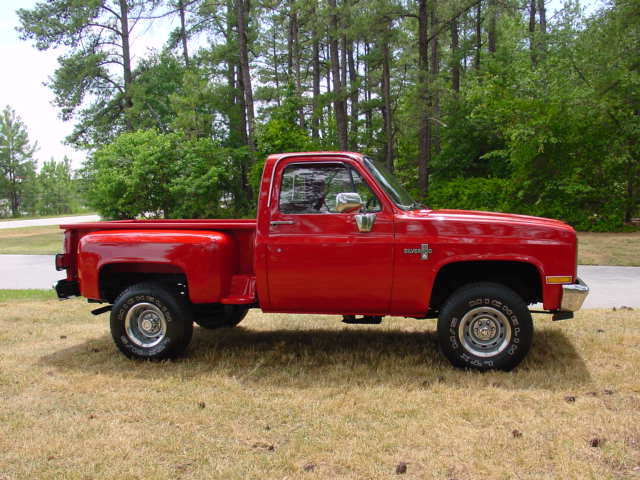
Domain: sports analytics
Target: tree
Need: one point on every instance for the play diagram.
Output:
(56, 190)
(94, 80)
(17, 164)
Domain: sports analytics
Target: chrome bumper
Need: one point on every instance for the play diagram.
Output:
(573, 296)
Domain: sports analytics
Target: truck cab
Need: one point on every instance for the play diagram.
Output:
(335, 234)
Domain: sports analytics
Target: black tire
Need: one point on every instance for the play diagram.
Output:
(221, 316)
(485, 326)
(149, 321)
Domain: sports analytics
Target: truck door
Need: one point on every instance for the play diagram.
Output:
(318, 259)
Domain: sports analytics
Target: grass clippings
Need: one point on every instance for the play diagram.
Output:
(309, 397)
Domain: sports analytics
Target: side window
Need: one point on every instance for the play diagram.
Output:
(313, 188)
(371, 202)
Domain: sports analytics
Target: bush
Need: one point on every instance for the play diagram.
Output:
(491, 194)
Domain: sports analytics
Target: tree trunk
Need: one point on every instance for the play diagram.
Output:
(245, 73)
(295, 37)
(126, 60)
(317, 111)
(237, 123)
(435, 71)
(491, 33)
(289, 41)
(424, 134)
(183, 32)
(338, 103)
(247, 111)
(386, 109)
(478, 34)
(368, 116)
(276, 74)
(455, 64)
(542, 38)
(355, 96)
(532, 32)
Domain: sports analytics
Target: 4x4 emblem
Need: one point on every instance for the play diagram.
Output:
(424, 251)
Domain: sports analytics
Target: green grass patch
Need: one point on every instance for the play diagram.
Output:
(45, 240)
(27, 295)
(37, 217)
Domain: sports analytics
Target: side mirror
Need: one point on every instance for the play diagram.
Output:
(347, 202)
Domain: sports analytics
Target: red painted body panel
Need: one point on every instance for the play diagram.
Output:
(322, 263)
(208, 259)
(458, 236)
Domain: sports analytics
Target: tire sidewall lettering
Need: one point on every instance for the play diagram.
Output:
(457, 346)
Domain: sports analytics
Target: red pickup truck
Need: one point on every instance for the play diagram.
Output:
(335, 234)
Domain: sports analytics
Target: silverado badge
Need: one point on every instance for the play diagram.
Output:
(424, 251)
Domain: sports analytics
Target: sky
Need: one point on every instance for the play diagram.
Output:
(25, 70)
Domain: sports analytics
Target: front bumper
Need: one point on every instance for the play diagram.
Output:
(573, 296)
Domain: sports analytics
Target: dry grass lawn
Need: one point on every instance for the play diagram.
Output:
(621, 249)
(31, 240)
(308, 397)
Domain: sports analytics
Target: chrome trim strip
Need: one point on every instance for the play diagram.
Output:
(282, 222)
(310, 154)
(573, 296)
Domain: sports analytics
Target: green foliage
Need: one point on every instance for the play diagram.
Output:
(17, 165)
(151, 174)
(493, 194)
(56, 189)
(280, 134)
(546, 123)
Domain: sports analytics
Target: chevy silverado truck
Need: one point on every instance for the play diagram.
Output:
(335, 233)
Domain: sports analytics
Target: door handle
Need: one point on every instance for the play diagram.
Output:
(365, 221)
(282, 222)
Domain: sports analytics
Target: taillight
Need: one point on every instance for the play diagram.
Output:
(62, 261)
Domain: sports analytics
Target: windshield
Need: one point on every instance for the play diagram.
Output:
(391, 185)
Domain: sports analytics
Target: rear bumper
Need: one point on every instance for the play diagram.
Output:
(67, 288)
(573, 296)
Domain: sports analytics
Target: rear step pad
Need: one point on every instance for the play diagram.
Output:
(242, 290)
(364, 320)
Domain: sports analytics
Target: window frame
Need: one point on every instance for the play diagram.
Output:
(327, 163)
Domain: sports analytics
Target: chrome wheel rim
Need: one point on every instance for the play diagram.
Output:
(485, 331)
(146, 325)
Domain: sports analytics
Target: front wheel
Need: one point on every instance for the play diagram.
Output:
(149, 321)
(485, 326)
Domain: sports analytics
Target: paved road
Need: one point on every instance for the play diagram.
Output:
(38, 222)
(28, 271)
(610, 286)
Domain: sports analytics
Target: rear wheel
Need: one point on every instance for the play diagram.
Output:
(149, 321)
(220, 316)
(485, 326)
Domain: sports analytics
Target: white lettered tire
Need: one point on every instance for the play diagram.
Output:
(149, 321)
(485, 326)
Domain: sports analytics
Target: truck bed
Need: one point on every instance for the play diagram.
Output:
(194, 224)
(241, 281)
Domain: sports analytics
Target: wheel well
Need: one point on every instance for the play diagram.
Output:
(117, 277)
(521, 277)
